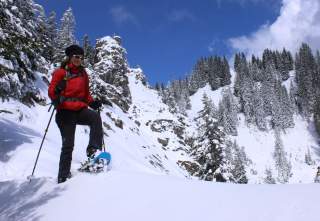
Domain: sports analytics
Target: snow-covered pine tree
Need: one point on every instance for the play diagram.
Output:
(239, 162)
(89, 52)
(226, 75)
(287, 57)
(193, 83)
(20, 51)
(235, 162)
(282, 110)
(259, 114)
(305, 75)
(228, 156)
(243, 87)
(247, 100)
(316, 115)
(157, 87)
(199, 77)
(267, 58)
(43, 33)
(316, 111)
(171, 100)
(282, 163)
(284, 72)
(286, 64)
(238, 66)
(255, 72)
(287, 108)
(214, 72)
(66, 34)
(316, 80)
(292, 96)
(276, 109)
(208, 147)
(179, 90)
(269, 177)
(184, 101)
(112, 69)
(228, 110)
(308, 158)
(52, 29)
(209, 109)
(268, 88)
(161, 90)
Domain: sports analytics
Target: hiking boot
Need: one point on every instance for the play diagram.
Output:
(64, 179)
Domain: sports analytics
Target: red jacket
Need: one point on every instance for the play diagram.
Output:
(76, 87)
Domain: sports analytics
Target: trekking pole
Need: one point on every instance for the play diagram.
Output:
(103, 145)
(44, 136)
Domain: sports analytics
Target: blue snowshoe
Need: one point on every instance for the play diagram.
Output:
(97, 163)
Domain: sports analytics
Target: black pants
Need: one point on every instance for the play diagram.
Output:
(67, 121)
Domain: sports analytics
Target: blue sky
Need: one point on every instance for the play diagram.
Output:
(165, 38)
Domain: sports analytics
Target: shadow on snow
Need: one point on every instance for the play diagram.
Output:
(19, 201)
(12, 135)
(315, 135)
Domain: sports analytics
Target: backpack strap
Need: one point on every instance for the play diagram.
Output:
(72, 99)
(69, 75)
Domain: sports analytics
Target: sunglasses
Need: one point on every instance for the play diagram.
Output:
(77, 56)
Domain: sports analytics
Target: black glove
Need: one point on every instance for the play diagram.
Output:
(60, 87)
(95, 105)
(56, 102)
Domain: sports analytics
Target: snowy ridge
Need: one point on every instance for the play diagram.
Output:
(111, 46)
(148, 108)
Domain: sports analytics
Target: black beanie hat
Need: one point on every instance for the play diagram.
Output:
(74, 50)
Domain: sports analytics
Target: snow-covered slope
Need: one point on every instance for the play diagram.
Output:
(119, 195)
(134, 148)
(145, 182)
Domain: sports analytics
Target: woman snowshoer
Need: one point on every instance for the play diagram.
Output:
(69, 92)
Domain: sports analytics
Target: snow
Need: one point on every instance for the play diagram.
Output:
(110, 44)
(6, 63)
(140, 196)
(259, 147)
(148, 100)
(1, 36)
(287, 83)
(196, 99)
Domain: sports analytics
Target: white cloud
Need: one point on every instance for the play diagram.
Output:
(216, 45)
(299, 21)
(121, 15)
(181, 15)
(212, 46)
